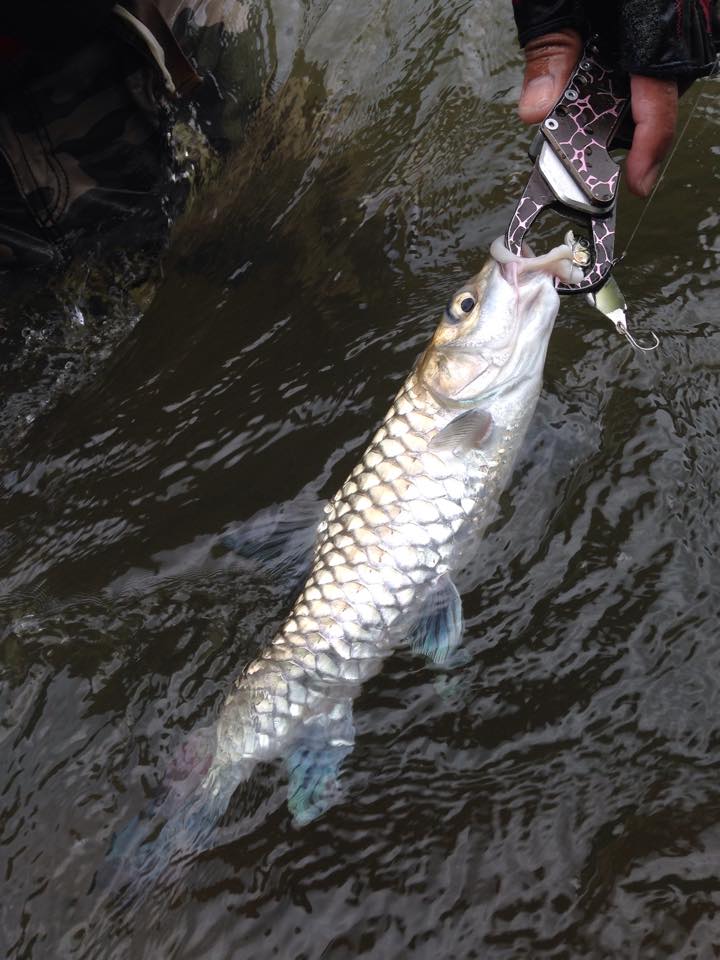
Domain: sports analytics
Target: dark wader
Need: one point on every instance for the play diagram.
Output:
(85, 117)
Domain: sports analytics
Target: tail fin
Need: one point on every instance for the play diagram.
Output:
(153, 846)
(180, 821)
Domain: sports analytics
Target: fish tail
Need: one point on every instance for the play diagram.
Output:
(180, 820)
(155, 843)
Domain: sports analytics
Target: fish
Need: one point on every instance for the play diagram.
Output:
(389, 546)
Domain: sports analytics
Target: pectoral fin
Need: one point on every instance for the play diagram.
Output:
(438, 631)
(314, 765)
(468, 431)
(279, 539)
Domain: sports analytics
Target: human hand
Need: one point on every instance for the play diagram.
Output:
(549, 62)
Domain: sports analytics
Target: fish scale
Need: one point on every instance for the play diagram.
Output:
(393, 552)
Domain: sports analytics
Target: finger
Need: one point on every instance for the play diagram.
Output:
(549, 61)
(654, 108)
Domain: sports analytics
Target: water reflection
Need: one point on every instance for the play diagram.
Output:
(559, 798)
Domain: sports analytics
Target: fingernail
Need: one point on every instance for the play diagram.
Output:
(538, 94)
(647, 182)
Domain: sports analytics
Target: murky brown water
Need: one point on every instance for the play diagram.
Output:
(563, 798)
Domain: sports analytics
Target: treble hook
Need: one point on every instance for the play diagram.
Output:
(621, 327)
(611, 304)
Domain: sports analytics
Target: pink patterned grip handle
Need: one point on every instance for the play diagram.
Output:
(583, 123)
(580, 130)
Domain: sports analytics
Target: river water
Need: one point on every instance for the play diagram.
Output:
(555, 797)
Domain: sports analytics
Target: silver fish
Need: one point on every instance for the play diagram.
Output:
(404, 520)
(391, 539)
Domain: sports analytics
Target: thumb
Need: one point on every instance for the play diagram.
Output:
(549, 61)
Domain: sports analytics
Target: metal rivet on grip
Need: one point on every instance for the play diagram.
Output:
(571, 94)
(551, 124)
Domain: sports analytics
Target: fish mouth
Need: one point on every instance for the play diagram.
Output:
(558, 263)
(533, 281)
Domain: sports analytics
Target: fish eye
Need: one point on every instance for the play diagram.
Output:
(460, 307)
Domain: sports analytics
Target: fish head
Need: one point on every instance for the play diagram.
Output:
(495, 329)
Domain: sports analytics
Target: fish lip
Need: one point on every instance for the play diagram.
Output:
(557, 263)
(529, 278)
(530, 289)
